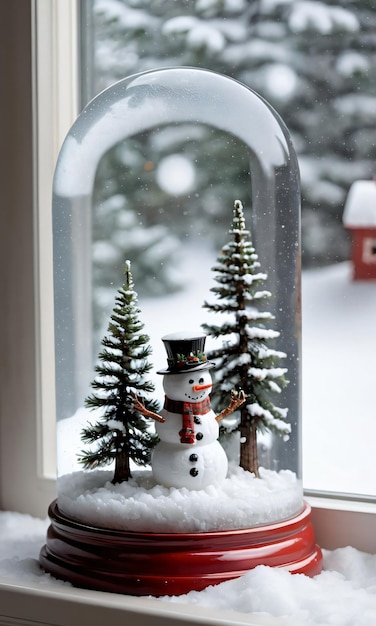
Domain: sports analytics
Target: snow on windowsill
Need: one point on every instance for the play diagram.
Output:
(344, 594)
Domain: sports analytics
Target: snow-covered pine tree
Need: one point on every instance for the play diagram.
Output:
(315, 62)
(245, 359)
(121, 433)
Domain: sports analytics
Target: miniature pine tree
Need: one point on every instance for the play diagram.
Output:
(245, 359)
(121, 434)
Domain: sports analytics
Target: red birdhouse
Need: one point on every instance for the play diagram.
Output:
(359, 217)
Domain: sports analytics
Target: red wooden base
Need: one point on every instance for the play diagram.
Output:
(173, 564)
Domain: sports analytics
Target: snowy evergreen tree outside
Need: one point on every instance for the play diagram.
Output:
(118, 231)
(245, 359)
(315, 62)
(121, 434)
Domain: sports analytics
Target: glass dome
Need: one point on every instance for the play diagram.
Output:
(138, 106)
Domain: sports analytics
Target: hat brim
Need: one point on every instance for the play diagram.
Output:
(192, 368)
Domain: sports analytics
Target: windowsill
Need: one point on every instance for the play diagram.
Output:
(63, 606)
(340, 523)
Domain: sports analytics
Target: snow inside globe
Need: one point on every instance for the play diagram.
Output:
(185, 474)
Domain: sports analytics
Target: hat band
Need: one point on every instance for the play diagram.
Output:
(184, 361)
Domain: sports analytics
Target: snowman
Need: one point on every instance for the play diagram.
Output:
(188, 453)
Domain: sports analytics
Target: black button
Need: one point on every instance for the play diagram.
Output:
(197, 420)
(199, 436)
(193, 471)
(193, 458)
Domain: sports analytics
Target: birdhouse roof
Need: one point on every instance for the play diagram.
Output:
(360, 205)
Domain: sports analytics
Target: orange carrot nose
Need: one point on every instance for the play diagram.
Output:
(201, 387)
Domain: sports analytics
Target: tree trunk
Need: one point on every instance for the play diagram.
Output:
(248, 448)
(122, 468)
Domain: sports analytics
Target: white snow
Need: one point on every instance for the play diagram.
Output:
(255, 49)
(339, 391)
(255, 409)
(309, 14)
(262, 333)
(357, 105)
(360, 206)
(198, 33)
(261, 372)
(206, 36)
(131, 18)
(281, 81)
(141, 504)
(251, 278)
(176, 174)
(104, 252)
(344, 594)
(184, 334)
(350, 62)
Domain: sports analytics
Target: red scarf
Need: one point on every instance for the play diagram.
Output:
(188, 411)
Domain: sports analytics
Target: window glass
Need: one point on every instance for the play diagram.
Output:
(315, 63)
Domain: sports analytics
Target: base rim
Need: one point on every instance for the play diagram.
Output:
(139, 563)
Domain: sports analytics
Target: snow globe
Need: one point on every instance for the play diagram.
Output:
(196, 516)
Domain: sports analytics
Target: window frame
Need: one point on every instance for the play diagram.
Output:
(42, 43)
(55, 107)
(27, 439)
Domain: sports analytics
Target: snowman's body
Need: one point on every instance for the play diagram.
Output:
(202, 462)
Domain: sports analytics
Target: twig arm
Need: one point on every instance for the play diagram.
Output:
(140, 407)
(237, 399)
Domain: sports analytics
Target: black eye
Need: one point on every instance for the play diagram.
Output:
(191, 381)
(201, 381)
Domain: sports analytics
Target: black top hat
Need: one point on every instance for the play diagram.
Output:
(185, 352)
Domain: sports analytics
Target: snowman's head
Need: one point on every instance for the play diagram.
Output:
(192, 386)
